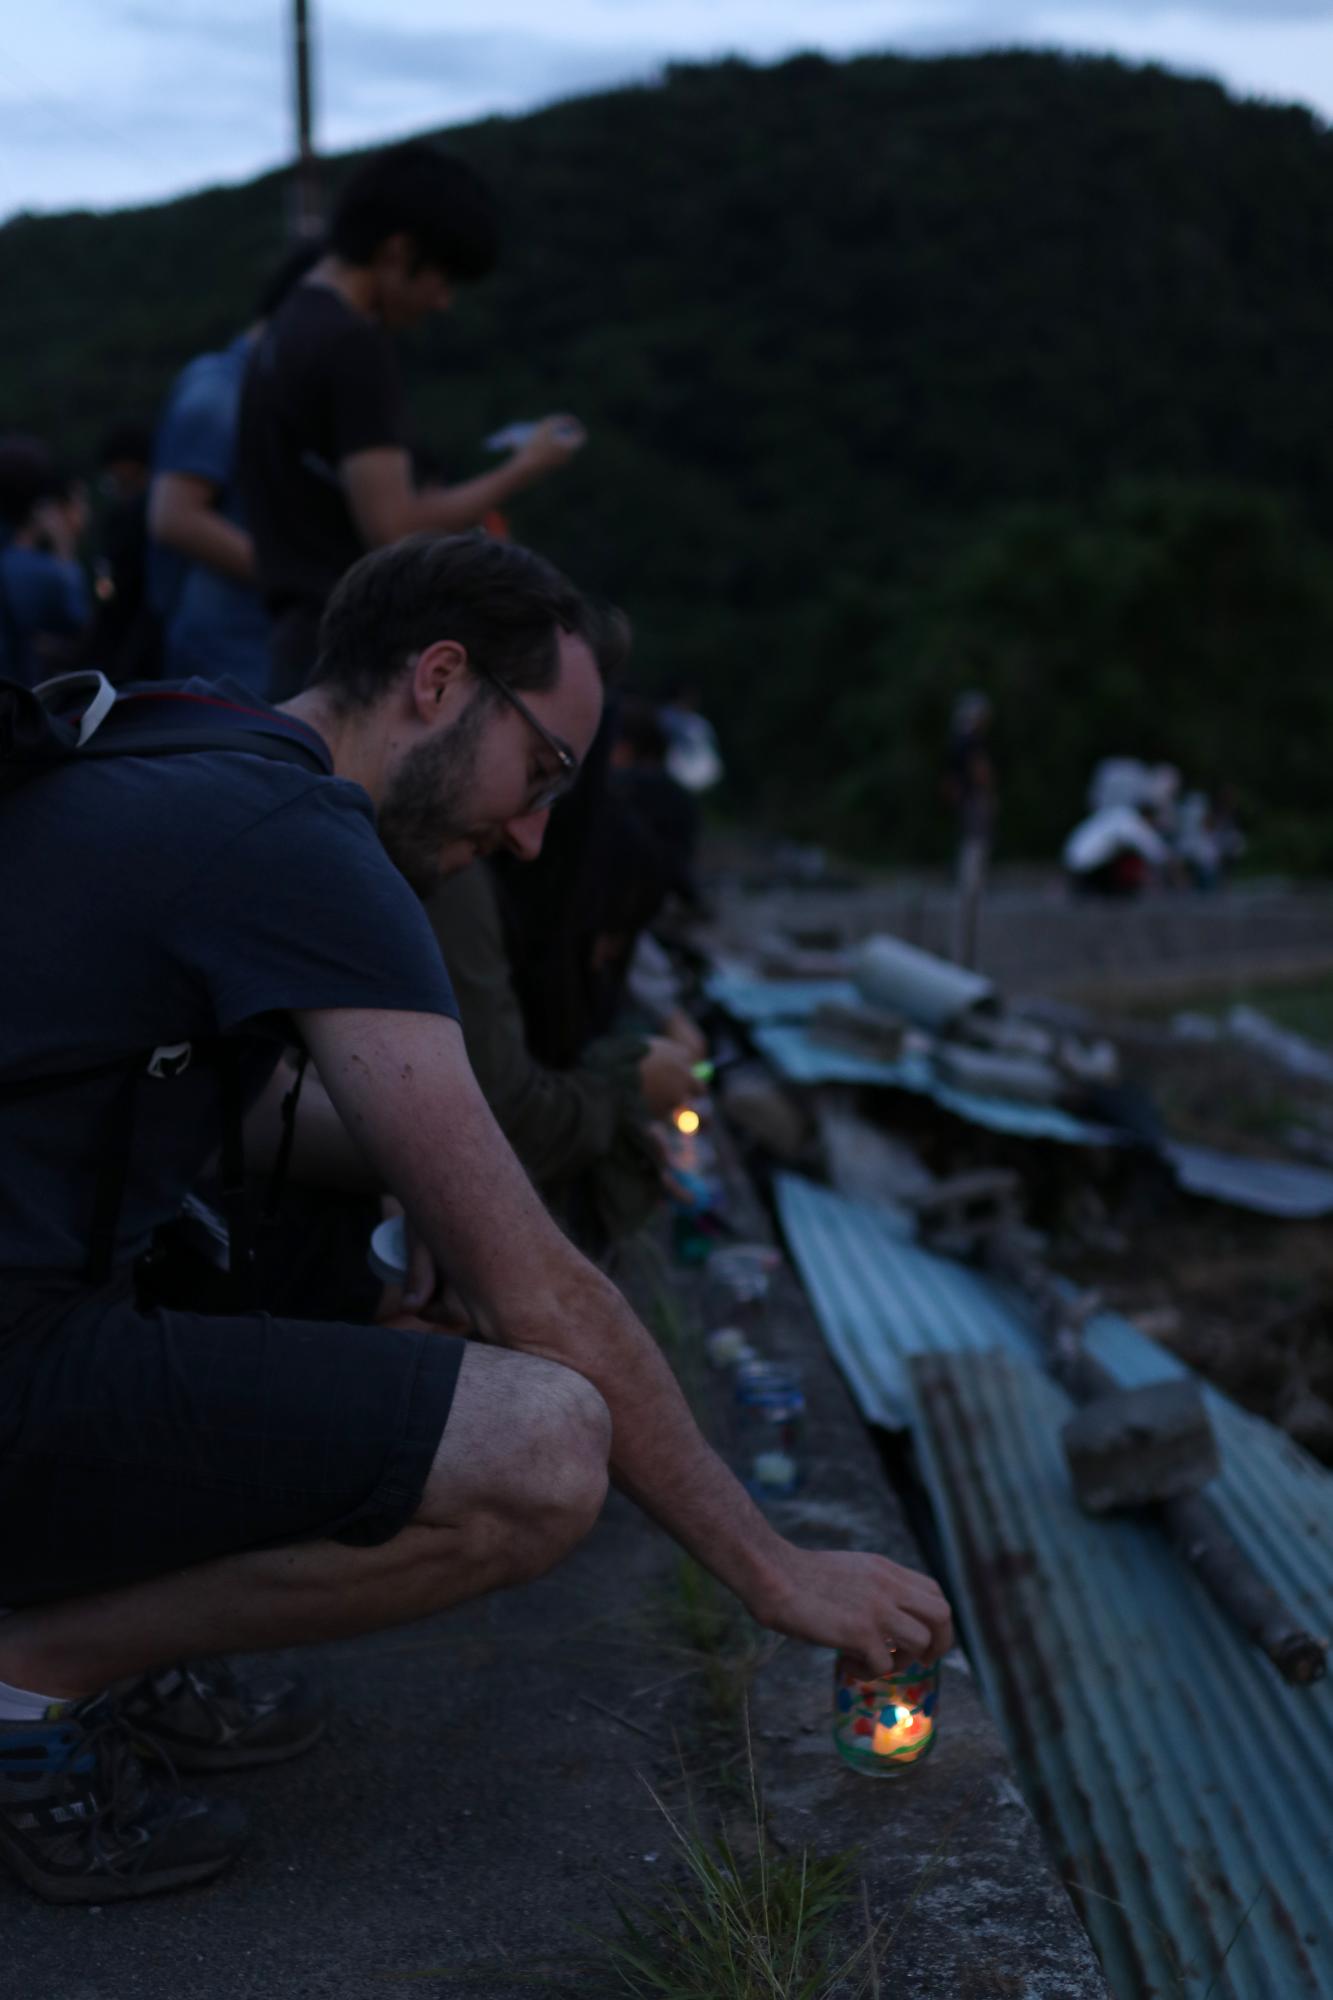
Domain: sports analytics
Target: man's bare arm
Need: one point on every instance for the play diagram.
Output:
(183, 515)
(386, 505)
(401, 1085)
(323, 1154)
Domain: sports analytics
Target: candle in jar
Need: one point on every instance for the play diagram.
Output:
(885, 1725)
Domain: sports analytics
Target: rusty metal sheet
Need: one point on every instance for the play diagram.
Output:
(880, 1299)
(1186, 1789)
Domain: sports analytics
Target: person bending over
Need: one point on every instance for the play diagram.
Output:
(178, 1485)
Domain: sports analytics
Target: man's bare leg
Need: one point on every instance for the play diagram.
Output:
(518, 1479)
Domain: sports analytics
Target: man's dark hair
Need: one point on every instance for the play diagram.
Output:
(426, 194)
(502, 603)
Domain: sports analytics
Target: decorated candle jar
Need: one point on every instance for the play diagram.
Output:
(882, 1727)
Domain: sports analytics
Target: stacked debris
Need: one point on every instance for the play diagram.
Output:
(903, 1019)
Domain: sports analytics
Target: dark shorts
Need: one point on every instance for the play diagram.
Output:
(136, 1443)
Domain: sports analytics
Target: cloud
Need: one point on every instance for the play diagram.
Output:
(105, 102)
(437, 78)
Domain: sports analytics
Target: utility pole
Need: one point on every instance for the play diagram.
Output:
(307, 219)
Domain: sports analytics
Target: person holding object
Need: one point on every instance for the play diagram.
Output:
(324, 468)
(179, 1485)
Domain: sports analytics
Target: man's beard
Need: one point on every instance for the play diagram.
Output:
(426, 806)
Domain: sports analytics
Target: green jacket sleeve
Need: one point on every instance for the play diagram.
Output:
(559, 1122)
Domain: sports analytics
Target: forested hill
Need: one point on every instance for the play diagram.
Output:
(902, 376)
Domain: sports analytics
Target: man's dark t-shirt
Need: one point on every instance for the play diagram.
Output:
(169, 899)
(322, 383)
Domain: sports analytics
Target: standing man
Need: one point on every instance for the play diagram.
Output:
(324, 465)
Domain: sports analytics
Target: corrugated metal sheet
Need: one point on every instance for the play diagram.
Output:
(1268, 1187)
(755, 1001)
(880, 1299)
(797, 1055)
(1187, 1790)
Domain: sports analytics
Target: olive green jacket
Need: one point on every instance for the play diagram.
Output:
(583, 1128)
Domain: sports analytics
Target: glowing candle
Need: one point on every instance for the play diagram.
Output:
(882, 1727)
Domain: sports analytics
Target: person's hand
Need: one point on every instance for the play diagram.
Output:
(554, 441)
(882, 1614)
(665, 1076)
(679, 1027)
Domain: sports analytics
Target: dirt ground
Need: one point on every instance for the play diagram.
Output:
(1246, 1300)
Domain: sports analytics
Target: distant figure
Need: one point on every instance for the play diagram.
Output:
(970, 788)
(324, 465)
(44, 600)
(1116, 852)
(125, 640)
(1208, 837)
(693, 758)
(202, 579)
(642, 783)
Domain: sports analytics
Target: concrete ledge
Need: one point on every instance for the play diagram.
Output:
(950, 1853)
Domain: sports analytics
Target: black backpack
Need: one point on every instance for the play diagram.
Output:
(82, 715)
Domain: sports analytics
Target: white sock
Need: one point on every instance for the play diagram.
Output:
(22, 1705)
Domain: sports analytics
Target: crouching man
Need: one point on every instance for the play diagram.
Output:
(175, 1485)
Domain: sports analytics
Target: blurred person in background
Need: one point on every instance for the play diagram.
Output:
(44, 600)
(645, 787)
(125, 638)
(572, 1092)
(323, 459)
(203, 582)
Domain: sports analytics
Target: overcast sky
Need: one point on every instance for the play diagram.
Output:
(109, 102)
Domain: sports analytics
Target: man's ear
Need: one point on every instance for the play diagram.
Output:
(437, 681)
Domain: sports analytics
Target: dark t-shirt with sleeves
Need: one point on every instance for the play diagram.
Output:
(164, 900)
(321, 384)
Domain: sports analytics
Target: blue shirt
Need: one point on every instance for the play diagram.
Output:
(212, 624)
(167, 899)
(41, 596)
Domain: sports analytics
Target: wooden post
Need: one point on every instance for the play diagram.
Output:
(307, 219)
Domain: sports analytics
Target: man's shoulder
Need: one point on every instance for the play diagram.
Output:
(214, 375)
(316, 321)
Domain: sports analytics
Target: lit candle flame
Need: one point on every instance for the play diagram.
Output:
(686, 1121)
(907, 1729)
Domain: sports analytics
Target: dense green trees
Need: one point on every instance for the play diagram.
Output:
(1007, 370)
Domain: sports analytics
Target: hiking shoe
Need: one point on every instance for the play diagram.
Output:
(204, 1717)
(81, 1823)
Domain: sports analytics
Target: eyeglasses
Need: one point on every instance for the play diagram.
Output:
(557, 786)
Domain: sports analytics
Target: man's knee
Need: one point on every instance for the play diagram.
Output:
(526, 1445)
(570, 1436)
